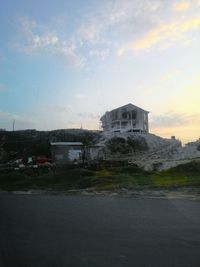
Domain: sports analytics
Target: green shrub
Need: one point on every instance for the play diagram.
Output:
(137, 144)
(123, 146)
(117, 144)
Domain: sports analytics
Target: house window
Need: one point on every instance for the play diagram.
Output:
(134, 115)
(124, 124)
(124, 115)
(114, 115)
(115, 125)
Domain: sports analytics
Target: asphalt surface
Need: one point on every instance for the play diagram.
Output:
(80, 231)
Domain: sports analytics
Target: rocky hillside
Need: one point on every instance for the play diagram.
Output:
(147, 150)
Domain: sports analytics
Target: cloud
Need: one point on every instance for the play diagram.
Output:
(188, 98)
(79, 95)
(62, 109)
(68, 50)
(89, 32)
(123, 25)
(175, 120)
(39, 39)
(169, 119)
(166, 77)
(45, 40)
(74, 124)
(184, 126)
(95, 35)
(184, 118)
(102, 54)
(35, 39)
(162, 82)
(181, 6)
(173, 74)
(88, 115)
(164, 33)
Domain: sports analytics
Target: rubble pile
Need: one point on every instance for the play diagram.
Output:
(160, 153)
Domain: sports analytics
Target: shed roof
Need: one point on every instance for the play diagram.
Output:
(67, 144)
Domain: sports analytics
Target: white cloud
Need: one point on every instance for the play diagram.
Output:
(37, 38)
(89, 32)
(45, 40)
(127, 25)
(102, 54)
(68, 50)
(93, 36)
(184, 126)
(169, 119)
(79, 95)
(181, 5)
(89, 115)
(62, 109)
(165, 33)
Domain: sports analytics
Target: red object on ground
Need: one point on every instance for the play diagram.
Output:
(42, 160)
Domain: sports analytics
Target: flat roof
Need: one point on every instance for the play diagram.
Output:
(66, 143)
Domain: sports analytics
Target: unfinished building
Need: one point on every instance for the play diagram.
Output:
(128, 118)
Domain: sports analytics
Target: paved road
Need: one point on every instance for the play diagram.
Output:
(80, 231)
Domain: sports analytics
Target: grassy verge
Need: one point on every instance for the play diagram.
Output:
(104, 179)
(62, 178)
(182, 175)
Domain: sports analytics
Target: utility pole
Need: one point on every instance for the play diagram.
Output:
(13, 125)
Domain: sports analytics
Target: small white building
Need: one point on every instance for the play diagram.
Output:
(128, 118)
(66, 152)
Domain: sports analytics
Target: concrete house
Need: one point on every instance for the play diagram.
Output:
(128, 118)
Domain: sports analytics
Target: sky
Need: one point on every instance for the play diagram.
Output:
(63, 63)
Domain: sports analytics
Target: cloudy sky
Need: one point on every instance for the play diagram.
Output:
(64, 63)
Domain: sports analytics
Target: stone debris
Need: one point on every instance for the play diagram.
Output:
(162, 153)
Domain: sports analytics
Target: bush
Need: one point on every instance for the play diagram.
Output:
(118, 144)
(123, 146)
(137, 144)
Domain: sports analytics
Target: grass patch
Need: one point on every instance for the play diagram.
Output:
(120, 177)
(11, 180)
(182, 175)
(62, 178)
(106, 179)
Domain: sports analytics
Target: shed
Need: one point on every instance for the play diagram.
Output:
(95, 152)
(66, 152)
